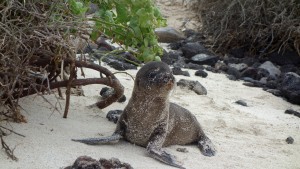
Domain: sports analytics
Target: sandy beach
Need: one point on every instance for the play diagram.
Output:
(251, 137)
(245, 137)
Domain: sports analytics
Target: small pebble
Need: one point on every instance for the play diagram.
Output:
(192, 85)
(114, 115)
(274, 92)
(107, 92)
(290, 111)
(211, 69)
(122, 99)
(231, 77)
(103, 90)
(290, 140)
(201, 73)
(241, 102)
(183, 150)
(178, 71)
(249, 84)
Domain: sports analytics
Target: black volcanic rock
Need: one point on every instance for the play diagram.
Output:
(178, 71)
(192, 48)
(290, 87)
(201, 73)
(204, 59)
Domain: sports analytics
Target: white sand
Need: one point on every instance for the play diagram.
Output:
(177, 15)
(245, 137)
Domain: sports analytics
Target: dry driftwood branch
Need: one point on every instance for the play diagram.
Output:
(109, 80)
(69, 85)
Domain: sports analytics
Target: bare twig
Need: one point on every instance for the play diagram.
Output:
(125, 73)
(12, 131)
(8, 151)
(69, 85)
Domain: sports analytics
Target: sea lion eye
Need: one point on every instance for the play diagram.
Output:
(152, 75)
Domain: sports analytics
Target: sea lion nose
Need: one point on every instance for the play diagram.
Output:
(168, 78)
(172, 78)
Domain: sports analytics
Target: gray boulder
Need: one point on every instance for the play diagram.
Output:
(192, 48)
(240, 66)
(168, 35)
(274, 72)
(204, 59)
(290, 87)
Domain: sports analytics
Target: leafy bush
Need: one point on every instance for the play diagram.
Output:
(127, 22)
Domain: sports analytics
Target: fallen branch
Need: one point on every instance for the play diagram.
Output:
(8, 151)
(12, 131)
(109, 80)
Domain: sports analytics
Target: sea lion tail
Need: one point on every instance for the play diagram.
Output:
(103, 140)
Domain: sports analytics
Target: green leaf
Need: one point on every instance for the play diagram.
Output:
(77, 7)
(157, 58)
(122, 13)
(94, 35)
(108, 15)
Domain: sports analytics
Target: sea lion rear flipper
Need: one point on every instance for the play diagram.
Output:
(206, 146)
(93, 141)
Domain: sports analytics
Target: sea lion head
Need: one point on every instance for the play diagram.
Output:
(155, 78)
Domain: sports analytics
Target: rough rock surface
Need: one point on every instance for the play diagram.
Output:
(201, 73)
(290, 87)
(107, 92)
(86, 162)
(191, 49)
(113, 115)
(273, 71)
(168, 35)
(192, 85)
(178, 71)
(204, 59)
(240, 66)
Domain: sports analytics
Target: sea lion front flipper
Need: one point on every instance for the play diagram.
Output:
(154, 147)
(104, 140)
(207, 148)
(164, 157)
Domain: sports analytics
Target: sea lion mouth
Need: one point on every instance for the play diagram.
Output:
(170, 84)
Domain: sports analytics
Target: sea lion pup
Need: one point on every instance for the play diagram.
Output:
(151, 121)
